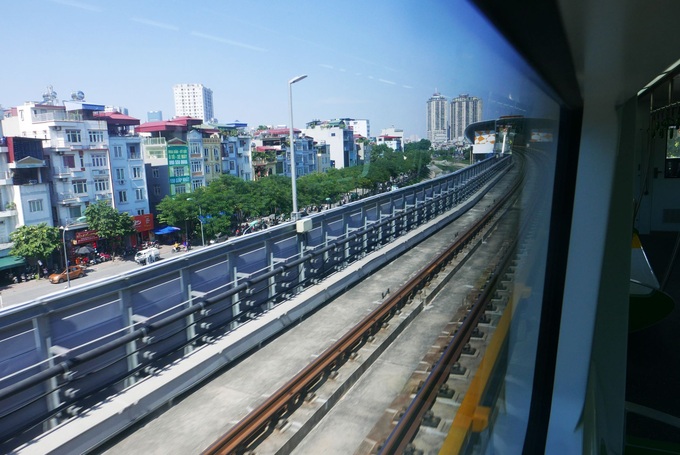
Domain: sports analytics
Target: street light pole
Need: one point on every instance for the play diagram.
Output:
(295, 213)
(200, 220)
(63, 241)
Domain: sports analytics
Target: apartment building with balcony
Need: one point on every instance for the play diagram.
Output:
(362, 127)
(340, 138)
(167, 157)
(196, 160)
(75, 146)
(24, 192)
(270, 151)
(125, 171)
(212, 156)
(236, 150)
(323, 156)
(393, 142)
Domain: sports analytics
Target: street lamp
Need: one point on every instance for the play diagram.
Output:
(63, 241)
(200, 220)
(295, 214)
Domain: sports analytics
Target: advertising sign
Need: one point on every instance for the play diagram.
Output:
(541, 136)
(86, 236)
(178, 164)
(484, 142)
(143, 223)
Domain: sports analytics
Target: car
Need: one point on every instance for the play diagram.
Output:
(74, 271)
(219, 238)
(147, 256)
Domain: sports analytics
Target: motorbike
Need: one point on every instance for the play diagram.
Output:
(103, 257)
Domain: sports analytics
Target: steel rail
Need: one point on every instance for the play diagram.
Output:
(263, 419)
(409, 424)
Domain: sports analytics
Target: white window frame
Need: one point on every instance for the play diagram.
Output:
(35, 205)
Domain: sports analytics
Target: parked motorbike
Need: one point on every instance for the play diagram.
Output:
(103, 257)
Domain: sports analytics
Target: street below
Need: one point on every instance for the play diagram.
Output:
(24, 292)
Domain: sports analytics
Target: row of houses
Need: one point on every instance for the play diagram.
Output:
(57, 158)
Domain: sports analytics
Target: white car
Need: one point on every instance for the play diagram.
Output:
(147, 256)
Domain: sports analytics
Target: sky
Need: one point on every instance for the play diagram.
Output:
(365, 59)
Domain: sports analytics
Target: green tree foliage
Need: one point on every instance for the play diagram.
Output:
(423, 145)
(108, 222)
(230, 201)
(35, 242)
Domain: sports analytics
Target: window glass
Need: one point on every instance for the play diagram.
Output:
(672, 154)
(69, 161)
(73, 136)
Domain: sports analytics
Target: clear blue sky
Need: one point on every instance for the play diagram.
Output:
(374, 59)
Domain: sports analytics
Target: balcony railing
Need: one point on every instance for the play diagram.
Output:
(72, 198)
(58, 116)
(100, 173)
(154, 141)
(8, 213)
(66, 172)
(6, 178)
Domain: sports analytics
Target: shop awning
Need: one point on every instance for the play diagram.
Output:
(11, 261)
(166, 230)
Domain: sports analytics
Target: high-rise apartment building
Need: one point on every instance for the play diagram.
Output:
(437, 119)
(194, 100)
(154, 116)
(465, 109)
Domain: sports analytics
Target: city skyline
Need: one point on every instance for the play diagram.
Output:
(383, 68)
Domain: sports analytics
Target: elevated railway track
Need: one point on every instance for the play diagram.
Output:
(279, 425)
(248, 301)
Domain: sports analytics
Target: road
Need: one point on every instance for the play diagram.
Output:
(15, 294)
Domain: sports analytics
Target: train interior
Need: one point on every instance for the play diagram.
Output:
(613, 68)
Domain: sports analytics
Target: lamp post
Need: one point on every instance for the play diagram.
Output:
(295, 214)
(63, 241)
(200, 220)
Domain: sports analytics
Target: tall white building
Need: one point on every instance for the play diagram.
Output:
(194, 100)
(361, 127)
(465, 109)
(340, 139)
(437, 119)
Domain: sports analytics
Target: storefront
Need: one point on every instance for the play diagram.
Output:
(144, 227)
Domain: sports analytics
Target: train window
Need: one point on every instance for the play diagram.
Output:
(672, 154)
(380, 61)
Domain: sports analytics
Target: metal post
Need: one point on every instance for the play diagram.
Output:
(63, 241)
(200, 220)
(295, 213)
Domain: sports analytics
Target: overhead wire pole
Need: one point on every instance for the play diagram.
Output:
(295, 213)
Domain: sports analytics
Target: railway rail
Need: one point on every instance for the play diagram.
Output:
(272, 413)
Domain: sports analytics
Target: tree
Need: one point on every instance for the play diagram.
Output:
(423, 145)
(35, 242)
(108, 222)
